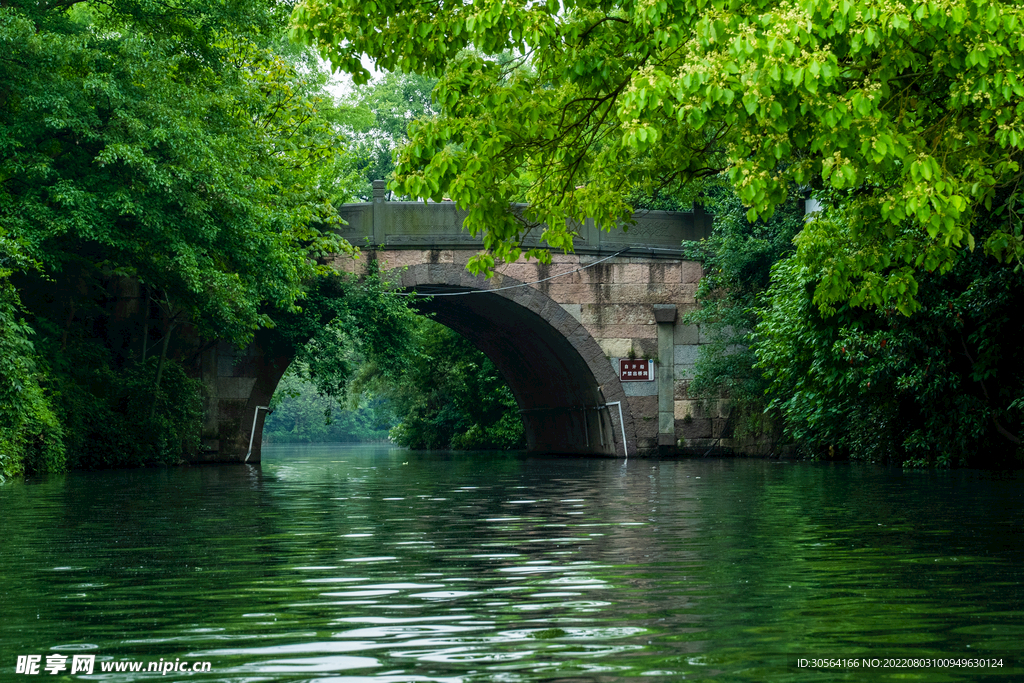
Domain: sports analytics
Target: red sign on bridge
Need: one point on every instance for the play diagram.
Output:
(636, 370)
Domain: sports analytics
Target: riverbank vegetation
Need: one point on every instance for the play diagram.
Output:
(447, 395)
(883, 329)
(167, 171)
(168, 180)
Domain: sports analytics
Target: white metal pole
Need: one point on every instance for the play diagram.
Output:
(253, 432)
(622, 426)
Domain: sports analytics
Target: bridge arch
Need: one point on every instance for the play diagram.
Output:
(557, 332)
(558, 373)
(556, 370)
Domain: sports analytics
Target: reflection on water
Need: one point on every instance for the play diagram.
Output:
(349, 564)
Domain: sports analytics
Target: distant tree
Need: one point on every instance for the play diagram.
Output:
(383, 111)
(300, 415)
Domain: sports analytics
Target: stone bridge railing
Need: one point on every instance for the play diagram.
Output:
(415, 225)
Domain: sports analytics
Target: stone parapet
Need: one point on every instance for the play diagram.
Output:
(652, 235)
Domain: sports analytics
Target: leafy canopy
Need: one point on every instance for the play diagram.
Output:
(180, 144)
(909, 113)
(173, 143)
(381, 114)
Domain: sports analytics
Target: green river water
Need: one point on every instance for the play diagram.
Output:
(373, 565)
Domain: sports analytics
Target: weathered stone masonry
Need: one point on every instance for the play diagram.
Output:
(617, 304)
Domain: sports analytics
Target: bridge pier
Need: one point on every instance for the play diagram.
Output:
(665, 317)
(237, 382)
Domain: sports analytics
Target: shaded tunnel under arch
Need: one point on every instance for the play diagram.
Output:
(561, 402)
(558, 374)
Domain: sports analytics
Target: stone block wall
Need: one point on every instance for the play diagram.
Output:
(229, 376)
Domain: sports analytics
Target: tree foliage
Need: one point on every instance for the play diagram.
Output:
(344, 323)
(910, 112)
(450, 395)
(381, 114)
(181, 146)
(942, 387)
(188, 160)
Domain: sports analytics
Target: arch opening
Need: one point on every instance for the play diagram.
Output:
(561, 379)
(561, 402)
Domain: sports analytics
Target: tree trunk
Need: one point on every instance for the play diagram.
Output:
(160, 371)
(169, 324)
(145, 326)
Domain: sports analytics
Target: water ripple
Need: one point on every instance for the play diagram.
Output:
(339, 567)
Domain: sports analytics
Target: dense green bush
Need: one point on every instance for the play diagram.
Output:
(452, 396)
(30, 435)
(941, 387)
(115, 418)
(40, 439)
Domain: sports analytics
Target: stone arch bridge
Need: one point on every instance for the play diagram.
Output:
(557, 332)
